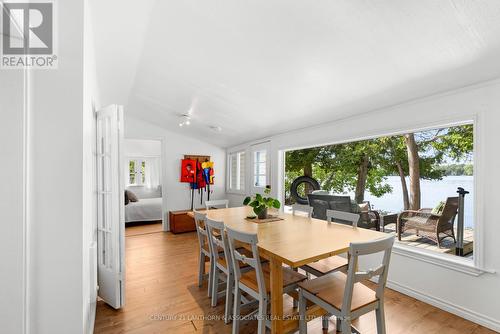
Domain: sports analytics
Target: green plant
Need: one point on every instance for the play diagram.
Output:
(260, 203)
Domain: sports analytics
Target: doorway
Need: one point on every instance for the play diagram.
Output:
(144, 187)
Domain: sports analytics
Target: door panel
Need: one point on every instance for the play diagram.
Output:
(110, 206)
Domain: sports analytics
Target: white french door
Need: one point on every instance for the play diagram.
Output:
(110, 206)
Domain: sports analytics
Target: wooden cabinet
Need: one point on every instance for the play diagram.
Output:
(180, 222)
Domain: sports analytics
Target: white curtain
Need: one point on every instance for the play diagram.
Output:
(152, 171)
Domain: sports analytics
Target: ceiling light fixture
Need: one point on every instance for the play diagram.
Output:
(185, 120)
(215, 128)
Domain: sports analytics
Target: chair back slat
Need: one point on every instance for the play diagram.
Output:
(217, 203)
(199, 221)
(354, 276)
(302, 208)
(342, 216)
(217, 239)
(250, 239)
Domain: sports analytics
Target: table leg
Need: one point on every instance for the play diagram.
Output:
(276, 296)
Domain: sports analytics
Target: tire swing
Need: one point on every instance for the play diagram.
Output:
(295, 185)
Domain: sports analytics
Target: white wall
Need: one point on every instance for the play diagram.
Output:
(476, 298)
(56, 228)
(52, 164)
(141, 148)
(11, 201)
(177, 194)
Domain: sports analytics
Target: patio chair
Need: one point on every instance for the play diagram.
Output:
(321, 203)
(428, 224)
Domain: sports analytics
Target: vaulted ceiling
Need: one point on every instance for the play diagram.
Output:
(257, 68)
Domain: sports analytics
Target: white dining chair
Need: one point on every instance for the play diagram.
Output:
(333, 263)
(223, 265)
(205, 254)
(217, 203)
(344, 295)
(302, 209)
(255, 282)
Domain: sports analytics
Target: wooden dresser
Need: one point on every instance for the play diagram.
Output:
(180, 222)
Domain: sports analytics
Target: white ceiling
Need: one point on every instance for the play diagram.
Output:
(256, 68)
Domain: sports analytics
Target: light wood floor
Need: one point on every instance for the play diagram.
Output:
(162, 296)
(132, 229)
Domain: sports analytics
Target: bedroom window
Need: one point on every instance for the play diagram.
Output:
(237, 171)
(137, 172)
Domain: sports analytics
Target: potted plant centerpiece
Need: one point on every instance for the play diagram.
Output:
(260, 204)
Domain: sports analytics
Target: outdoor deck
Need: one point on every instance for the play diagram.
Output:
(447, 245)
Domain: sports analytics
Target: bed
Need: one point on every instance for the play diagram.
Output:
(148, 208)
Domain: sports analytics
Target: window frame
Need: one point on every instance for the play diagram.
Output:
(139, 176)
(474, 267)
(254, 149)
(240, 189)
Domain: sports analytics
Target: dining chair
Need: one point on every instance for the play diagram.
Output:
(333, 263)
(222, 265)
(217, 203)
(205, 254)
(256, 281)
(302, 208)
(343, 295)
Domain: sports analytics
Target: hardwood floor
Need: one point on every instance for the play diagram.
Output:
(132, 229)
(162, 296)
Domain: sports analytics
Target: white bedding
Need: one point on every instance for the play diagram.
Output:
(147, 209)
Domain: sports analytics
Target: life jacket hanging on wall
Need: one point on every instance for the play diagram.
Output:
(188, 170)
(200, 180)
(208, 171)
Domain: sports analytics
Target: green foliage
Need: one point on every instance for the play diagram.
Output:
(336, 167)
(457, 169)
(259, 203)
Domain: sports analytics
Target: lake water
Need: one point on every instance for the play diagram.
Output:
(432, 192)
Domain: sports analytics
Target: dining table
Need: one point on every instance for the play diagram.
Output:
(293, 240)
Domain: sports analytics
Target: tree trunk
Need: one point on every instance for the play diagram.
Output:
(362, 176)
(308, 171)
(404, 187)
(414, 170)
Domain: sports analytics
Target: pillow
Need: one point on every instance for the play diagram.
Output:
(126, 198)
(355, 208)
(363, 207)
(439, 208)
(131, 196)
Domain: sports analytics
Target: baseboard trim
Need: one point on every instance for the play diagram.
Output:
(475, 317)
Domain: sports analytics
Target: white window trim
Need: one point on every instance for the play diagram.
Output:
(476, 266)
(265, 146)
(230, 190)
(139, 159)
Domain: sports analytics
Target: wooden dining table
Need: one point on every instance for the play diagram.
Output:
(295, 241)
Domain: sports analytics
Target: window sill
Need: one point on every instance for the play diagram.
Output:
(236, 192)
(448, 261)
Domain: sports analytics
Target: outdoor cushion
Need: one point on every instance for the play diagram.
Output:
(363, 207)
(439, 208)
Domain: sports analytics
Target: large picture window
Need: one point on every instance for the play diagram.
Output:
(403, 184)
